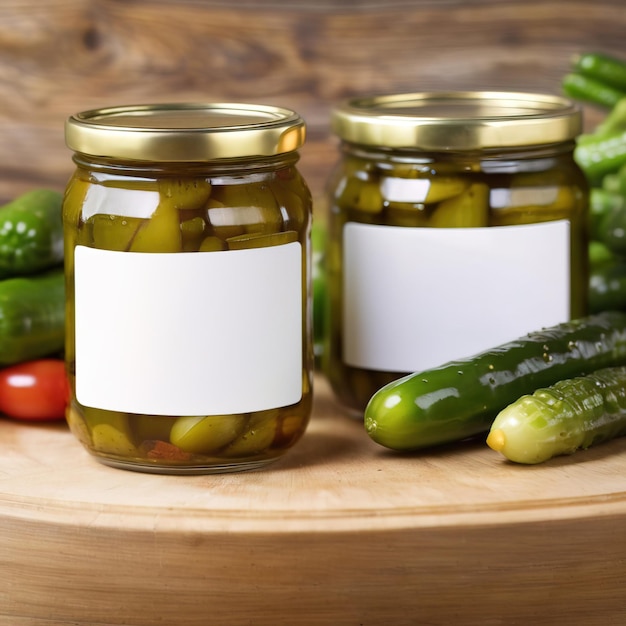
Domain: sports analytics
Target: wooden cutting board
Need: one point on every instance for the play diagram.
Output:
(340, 531)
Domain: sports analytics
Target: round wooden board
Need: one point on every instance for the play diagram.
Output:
(339, 531)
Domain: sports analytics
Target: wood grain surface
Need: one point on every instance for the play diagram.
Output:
(61, 56)
(339, 531)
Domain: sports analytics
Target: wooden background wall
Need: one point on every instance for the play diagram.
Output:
(61, 56)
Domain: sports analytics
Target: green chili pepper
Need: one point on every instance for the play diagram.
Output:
(602, 67)
(567, 416)
(615, 121)
(601, 155)
(31, 233)
(460, 399)
(581, 87)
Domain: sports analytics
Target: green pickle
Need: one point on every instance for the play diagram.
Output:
(193, 215)
(187, 218)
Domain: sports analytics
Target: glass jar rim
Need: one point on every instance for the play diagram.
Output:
(463, 120)
(185, 132)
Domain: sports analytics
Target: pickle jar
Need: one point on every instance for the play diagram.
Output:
(457, 222)
(187, 246)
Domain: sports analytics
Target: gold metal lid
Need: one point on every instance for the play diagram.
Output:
(468, 120)
(185, 132)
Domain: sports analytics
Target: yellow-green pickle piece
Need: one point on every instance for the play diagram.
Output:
(244, 209)
(206, 434)
(445, 187)
(468, 209)
(361, 195)
(160, 233)
(257, 437)
(110, 440)
(114, 232)
(185, 193)
(192, 233)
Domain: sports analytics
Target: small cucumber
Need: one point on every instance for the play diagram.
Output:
(568, 416)
(460, 399)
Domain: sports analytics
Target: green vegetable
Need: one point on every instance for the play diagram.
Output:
(32, 316)
(31, 233)
(615, 121)
(461, 398)
(607, 285)
(601, 154)
(599, 253)
(602, 67)
(581, 87)
(615, 182)
(611, 229)
(567, 416)
(206, 434)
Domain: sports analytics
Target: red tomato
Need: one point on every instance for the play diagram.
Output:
(34, 390)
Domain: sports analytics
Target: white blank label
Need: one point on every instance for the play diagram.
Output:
(416, 298)
(189, 334)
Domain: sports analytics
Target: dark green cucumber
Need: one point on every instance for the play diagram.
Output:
(461, 398)
(32, 316)
(570, 415)
(31, 233)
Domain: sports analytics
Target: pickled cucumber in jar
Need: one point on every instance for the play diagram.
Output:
(444, 209)
(187, 233)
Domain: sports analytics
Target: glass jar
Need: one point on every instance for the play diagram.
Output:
(187, 247)
(458, 221)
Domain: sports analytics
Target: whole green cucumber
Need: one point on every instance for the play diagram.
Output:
(461, 398)
(32, 316)
(570, 415)
(31, 233)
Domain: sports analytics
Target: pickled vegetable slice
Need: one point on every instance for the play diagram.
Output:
(361, 195)
(185, 193)
(206, 434)
(250, 208)
(109, 431)
(108, 439)
(160, 233)
(212, 244)
(468, 209)
(113, 232)
(192, 233)
(257, 437)
(445, 187)
(294, 208)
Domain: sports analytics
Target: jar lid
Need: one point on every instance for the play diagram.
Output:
(470, 120)
(185, 132)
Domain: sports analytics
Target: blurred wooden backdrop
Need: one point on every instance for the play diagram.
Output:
(61, 56)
